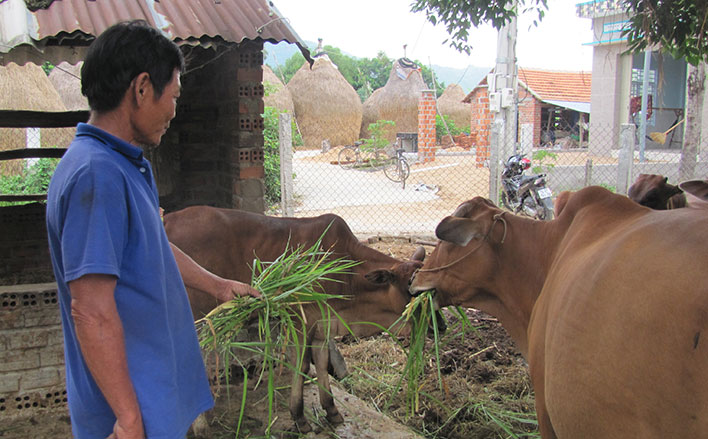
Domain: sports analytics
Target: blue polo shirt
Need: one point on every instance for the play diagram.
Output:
(103, 218)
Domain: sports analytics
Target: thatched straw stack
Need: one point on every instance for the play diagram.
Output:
(326, 105)
(26, 88)
(67, 81)
(450, 104)
(396, 101)
(278, 94)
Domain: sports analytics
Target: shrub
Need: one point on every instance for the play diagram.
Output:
(440, 129)
(34, 179)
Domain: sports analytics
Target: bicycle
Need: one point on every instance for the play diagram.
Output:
(397, 168)
(353, 156)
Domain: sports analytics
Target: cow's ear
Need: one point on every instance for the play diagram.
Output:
(419, 254)
(379, 276)
(697, 188)
(459, 231)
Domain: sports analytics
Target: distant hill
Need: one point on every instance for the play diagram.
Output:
(277, 54)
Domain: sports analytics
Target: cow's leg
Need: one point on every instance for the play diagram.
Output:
(337, 366)
(320, 353)
(297, 405)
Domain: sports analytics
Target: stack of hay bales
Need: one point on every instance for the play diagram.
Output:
(397, 100)
(450, 104)
(66, 79)
(28, 88)
(278, 95)
(326, 106)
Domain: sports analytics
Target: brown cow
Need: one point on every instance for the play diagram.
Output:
(654, 191)
(608, 303)
(226, 241)
(696, 193)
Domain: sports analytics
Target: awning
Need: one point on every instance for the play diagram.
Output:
(582, 107)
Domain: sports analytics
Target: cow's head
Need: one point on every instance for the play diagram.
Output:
(652, 191)
(463, 262)
(396, 279)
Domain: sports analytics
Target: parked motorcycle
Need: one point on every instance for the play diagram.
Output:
(525, 194)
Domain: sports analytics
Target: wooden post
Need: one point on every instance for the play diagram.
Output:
(286, 163)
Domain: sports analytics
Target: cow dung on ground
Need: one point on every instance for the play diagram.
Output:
(326, 106)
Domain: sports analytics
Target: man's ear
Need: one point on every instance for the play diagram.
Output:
(142, 87)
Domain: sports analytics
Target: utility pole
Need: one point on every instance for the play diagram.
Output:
(503, 92)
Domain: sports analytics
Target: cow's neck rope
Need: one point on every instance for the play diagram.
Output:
(497, 218)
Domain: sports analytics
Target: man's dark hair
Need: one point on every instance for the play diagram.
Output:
(119, 54)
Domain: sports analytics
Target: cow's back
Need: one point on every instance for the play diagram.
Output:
(621, 324)
(226, 241)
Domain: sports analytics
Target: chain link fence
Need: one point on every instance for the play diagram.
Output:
(373, 204)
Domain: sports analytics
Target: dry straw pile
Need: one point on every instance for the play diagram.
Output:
(450, 104)
(277, 94)
(326, 105)
(396, 101)
(66, 79)
(28, 88)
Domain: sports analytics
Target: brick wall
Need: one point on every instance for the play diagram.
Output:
(426, 126)
(530, 113)
(213, 152)
(480, 124)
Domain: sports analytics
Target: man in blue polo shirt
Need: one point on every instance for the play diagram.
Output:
(133, 365)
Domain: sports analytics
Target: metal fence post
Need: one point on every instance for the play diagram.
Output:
(495, 145)
(286, 163)
(626, 157)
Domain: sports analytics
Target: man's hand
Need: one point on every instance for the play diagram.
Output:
(133, 430)
(230, 289)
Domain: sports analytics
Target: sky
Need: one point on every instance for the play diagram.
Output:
(364, 27)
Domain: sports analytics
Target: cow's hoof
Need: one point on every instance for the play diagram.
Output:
(300, 427)
(335, 419)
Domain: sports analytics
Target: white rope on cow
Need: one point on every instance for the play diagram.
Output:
(499, 217)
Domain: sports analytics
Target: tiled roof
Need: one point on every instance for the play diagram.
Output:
(552, 85)
(193, 22)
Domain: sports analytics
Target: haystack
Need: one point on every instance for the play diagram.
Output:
(277, 94)
(28, 88)
(66, 79)
(326, 105)
(450, 104)
(397, 100)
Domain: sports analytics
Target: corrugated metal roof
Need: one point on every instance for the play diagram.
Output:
(193, 22)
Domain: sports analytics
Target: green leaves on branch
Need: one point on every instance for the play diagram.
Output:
(679, 26)
(459, 16)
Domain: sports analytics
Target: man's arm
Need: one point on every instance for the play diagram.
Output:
(100, 334)
(196, 276)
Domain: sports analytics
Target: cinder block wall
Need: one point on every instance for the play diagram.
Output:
(24, 252)
(213, 152)
(31, 350)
